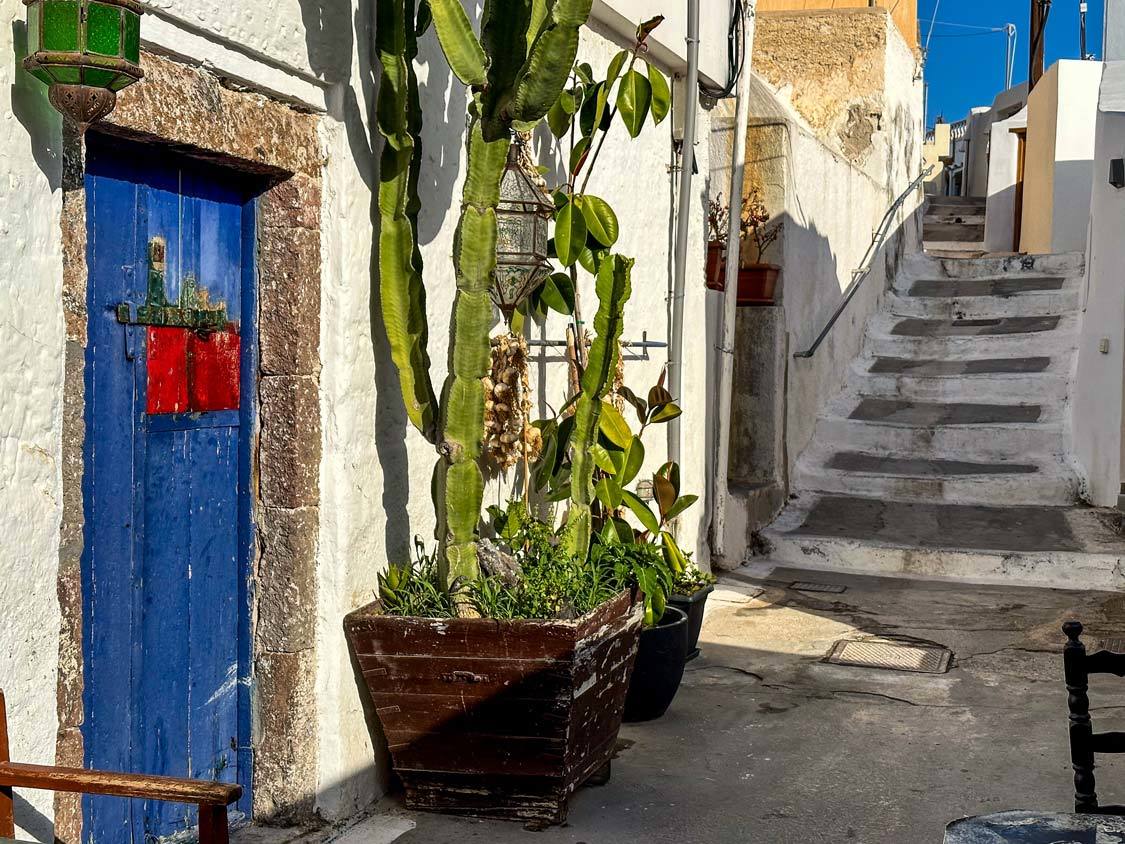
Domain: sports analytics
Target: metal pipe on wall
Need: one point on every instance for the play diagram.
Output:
(683, 225)
(720, 491)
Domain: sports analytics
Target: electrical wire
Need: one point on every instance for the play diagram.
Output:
(930, 34)
(736, 54)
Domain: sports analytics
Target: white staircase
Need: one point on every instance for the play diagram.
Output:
(945, 453)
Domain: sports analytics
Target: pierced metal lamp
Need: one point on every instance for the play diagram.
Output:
(522, 220)
(86, 51)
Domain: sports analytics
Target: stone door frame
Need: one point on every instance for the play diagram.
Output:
(189, 111)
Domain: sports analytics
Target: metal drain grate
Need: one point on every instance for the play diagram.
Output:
(809, 586)
(895, 656)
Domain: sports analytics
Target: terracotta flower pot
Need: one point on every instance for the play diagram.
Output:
(716, 274)
(498, 719)
(757, 284)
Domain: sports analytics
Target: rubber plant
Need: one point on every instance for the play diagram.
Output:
(515, 71)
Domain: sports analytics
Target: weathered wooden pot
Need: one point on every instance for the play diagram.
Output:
(498, 719)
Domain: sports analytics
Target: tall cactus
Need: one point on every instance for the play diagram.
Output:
(613, 289)
(517, 70)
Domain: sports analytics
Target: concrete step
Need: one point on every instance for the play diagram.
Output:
(953, 232)
(1070, 547)
(968, 216)
(984, 307)
(895, 336)
(922, 266)
(981, 441)
(910, 478)
(1047, 386)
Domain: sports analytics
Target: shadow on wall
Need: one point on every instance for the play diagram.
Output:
(35, 113)
(330, 49)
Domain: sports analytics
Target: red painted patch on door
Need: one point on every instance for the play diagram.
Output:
(166, 358)
(213, 371)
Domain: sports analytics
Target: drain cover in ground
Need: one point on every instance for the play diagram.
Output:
(810, 586)
(897, 656)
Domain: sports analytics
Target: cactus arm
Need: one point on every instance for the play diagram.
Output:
(549, 60)
(402, 293)
(460, 483)
(458, 41)
(504, 35)
(613, 288)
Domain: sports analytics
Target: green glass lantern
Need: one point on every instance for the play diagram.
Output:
(86, 51)
(522, 220)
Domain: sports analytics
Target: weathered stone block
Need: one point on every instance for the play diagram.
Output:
(211, 118)
(289, 301)
(287, 580)
(290, 442)
(285, 737)
(295, 203)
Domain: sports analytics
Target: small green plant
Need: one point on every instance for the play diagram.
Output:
(691, 580)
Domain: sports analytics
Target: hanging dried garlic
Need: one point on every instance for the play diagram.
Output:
(509, 435)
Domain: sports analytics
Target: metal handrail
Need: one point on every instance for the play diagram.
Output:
(864, 270)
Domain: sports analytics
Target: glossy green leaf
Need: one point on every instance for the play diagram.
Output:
(661, 95)
(634, 98)
(681, 504)
(570, 234)
(634, 460)
(609, 492)
(558, 119)
(602, 458)
(666, 413)
(615, 65)
(584, 72)
(614, 426)
(601, 222)
(673, 555)
(641, 510)
(594, 113)
(557, 293)
(671, 471)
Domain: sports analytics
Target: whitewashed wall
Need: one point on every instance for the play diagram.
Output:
(31, 375)
(375, 470)
(1061, 113)
(1096, 396)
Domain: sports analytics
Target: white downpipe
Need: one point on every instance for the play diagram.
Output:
(728, 316)
(684, 214)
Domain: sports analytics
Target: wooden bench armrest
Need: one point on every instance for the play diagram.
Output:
(172, 789)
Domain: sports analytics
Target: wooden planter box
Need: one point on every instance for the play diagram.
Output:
(498, 719)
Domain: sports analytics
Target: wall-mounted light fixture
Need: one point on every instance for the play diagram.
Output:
(86, 51)
(1117, 173)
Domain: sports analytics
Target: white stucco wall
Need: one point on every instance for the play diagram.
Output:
(375, 470)
(1096, 396)
(31, 373)
(1003, 171)
(1060, 149)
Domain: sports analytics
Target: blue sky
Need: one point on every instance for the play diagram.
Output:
(965, 67)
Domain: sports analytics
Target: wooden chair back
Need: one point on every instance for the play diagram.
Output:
(212, 798)
(1084, 742)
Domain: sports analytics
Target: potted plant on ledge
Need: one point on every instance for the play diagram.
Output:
(757, 281)
(498, 664)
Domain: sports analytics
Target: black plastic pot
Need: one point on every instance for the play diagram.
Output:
(692, 605)
(659, 667)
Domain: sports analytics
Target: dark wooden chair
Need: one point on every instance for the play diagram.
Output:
(212, 798)
(1084, 742)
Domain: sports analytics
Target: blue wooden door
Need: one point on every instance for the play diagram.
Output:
(168, 534)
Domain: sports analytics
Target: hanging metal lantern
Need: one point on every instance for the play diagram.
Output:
(522, 220)
(86, 51)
